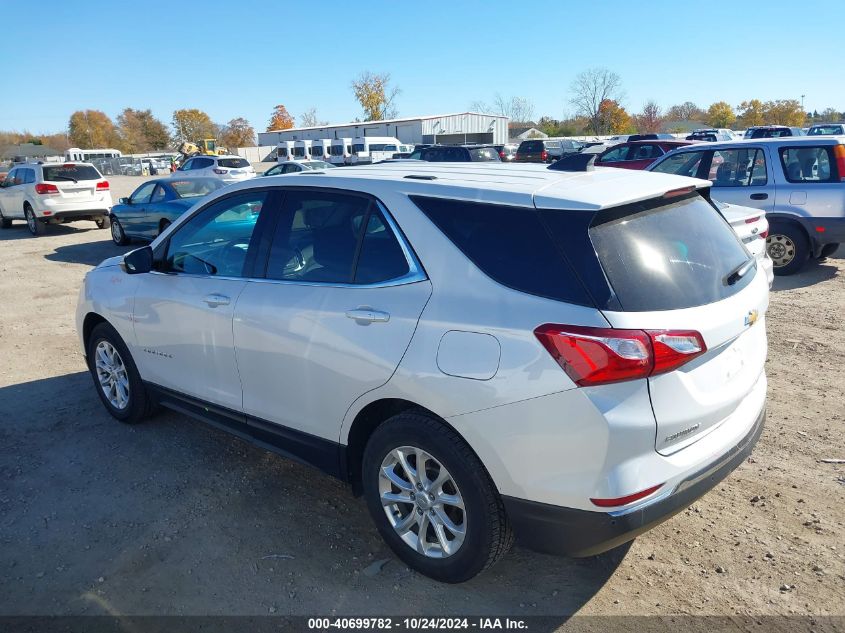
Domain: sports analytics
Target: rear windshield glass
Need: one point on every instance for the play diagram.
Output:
(669, 257)
(195, 187)
(484, 154)
(509, 245)
(818, 130)
(233, 163)
(70, 172)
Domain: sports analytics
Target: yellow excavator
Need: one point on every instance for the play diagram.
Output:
(205, 147)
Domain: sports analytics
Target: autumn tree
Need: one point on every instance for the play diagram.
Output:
(280, 119)
(517, 109)
(720, 114)
(613, 119)
(92, 128)
(192, 125)
(686, 111)
(590, 89)
(376, 96)
(140, 131)
(650, 119)
(784, 112)
(752, 113)
(238, 133)
(309, 119)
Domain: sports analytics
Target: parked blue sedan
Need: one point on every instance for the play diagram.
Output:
(153, 206)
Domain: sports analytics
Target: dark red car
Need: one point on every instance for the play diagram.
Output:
(637, 154)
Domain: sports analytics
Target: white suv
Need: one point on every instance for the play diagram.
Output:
(52, 193)
(229, 169)
(481, 351)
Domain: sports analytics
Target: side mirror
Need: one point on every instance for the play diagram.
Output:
(124, 201)
(138, 261)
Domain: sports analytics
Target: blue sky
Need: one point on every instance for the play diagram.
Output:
(241, 57)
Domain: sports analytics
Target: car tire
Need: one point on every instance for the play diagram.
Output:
(788, 247)
(5, 223)
(116, 378)
(456, 493)
(103, 223)
(35, 226)
(118, 236)
(828, 250)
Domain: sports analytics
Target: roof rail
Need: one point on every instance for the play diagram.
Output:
(575, 162)
(420, 177)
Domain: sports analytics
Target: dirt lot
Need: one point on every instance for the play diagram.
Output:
(172, 517)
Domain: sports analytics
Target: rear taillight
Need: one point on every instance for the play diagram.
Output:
(46, 188)
(598, 356)
(752, 220)
(502, 155)
(839, 155)
(103, 185)
(221, 171)
(621, 501)
(764, 234)
(544, 155)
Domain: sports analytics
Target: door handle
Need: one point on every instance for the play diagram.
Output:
(214, 300)
(759, 196)
(365, 315)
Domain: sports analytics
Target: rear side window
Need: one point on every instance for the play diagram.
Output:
(669, 256)
(70, 172)
(509, 244)
(233, 163)
(808, 164)
(484, 154)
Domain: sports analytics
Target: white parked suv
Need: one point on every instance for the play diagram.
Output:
(51, 193)
(481, 351)
(229, 169)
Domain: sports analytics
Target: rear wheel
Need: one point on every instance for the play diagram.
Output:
(116, 377)
(35, 226)
(5, 222)
(103, 223)
(788, 248)
(117, 234)
(432, 499)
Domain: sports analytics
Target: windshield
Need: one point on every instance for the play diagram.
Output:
(70, 172)
(195, 187)
(819, 130)
(233, 163)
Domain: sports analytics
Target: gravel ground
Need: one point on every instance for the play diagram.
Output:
(173, 517)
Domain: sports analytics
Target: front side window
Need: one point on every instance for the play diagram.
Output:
(216, 240)
(646, 152)
(738, 168)
(143, 193)
(615, 155)
(11, 177)
(680, 164)
(158, 195)
(808, 164)
(187, 166)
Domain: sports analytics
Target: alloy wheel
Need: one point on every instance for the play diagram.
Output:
(422, 502)
(112, 375)
(116, 231)
(31, 221)
(781, 249)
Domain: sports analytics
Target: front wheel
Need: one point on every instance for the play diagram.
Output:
(116, 377)
(117, 234)
(432, 499)
(788, 248)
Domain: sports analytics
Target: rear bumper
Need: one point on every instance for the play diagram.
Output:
(825, 230)
(74, 215)
(572, 532)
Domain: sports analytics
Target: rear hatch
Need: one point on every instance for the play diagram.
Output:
(675, 264)
(75, 183)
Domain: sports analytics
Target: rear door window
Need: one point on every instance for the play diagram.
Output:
(808, 164)
(70, 172)
(738, 168)
(29, 176)
(508, 244)
(660, 256)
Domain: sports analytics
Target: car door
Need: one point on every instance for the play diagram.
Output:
(11, 195)
(810, 184)
(333, 316)
(133, 216)
(183, 309)
(740, 176)
(154, 211)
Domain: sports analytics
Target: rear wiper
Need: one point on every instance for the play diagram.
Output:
(739, 272)
(75, 181)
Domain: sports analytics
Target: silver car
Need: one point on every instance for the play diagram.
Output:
(798, 181)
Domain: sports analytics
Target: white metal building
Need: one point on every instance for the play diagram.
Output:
(463, 127)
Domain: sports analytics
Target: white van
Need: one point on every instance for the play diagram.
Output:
(340, 151)
(302, 150)
(320, 149)
(284, 152)
(372, 149)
